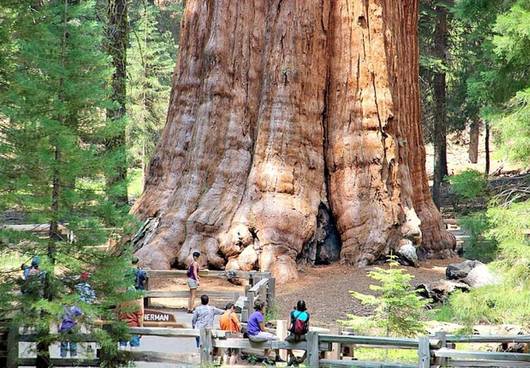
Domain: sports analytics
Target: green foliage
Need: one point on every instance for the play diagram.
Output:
(399, 310)
(393, 355)
(508, 302)
(53, 163)
(469, 184)
(479, 246)
(498, 37)
(272, 313)
(151, 58)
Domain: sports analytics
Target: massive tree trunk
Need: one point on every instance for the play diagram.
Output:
(280, 108)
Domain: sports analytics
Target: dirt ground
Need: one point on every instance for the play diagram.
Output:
(325, 289)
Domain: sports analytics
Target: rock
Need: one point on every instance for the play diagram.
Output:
(513, 347)
(248, 258)
(440, 290)
(407, 253)
(457, 271)
(480, 276)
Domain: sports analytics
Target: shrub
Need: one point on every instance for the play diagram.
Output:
(399, 309)
(479, 246)
(469, 184)
(508, 302)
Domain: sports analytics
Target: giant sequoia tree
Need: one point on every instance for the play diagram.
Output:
(280, 108)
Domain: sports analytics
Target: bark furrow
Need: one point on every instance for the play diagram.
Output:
(280, 108)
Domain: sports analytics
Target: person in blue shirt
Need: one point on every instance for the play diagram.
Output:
(67, 328)
(140, 276)
(297, 330)
(256, 327)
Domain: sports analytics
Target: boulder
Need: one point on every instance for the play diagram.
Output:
(439, 291)
(457, 271)
(479, 276)
(407, 253)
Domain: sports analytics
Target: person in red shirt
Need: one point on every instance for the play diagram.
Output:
(229, 322)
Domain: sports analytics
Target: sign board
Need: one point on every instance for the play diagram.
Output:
(156, 318)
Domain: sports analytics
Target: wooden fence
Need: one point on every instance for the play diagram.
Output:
(432, 351)
(261, 286)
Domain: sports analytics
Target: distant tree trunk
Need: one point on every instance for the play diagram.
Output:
(277, 109)
(487, 147)
(117, 47)
(440, 110)
(474, 132)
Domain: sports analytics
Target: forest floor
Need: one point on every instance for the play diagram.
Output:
(326, 289)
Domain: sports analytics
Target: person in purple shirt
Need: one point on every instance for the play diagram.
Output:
(68, 324)
(256, 327)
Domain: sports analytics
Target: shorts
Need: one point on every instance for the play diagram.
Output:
(192, 284)
(266, 336)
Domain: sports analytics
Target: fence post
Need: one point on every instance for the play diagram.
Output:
(313, 353)
(424, 353)
(12, 347)
(281, 332)
(336, 347)
(206, 346)
(245, 311)
(146, 299)
(271, 291)
(442, 336)
(251, 280)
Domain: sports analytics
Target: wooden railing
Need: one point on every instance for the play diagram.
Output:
(261, 286)
(266, 289)
(432, 351)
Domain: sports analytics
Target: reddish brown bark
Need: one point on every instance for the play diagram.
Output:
(281, 106)
(474, 135)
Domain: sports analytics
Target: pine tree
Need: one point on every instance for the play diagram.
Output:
(399, 309)
(117, 31)
(150, 64)
(52, 165)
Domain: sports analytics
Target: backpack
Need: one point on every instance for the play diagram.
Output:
(140, 276)
(300, 327)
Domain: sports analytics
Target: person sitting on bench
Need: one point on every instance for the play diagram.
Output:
(256, 328)
(297, 330)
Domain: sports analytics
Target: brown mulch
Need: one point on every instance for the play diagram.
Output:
(325, 289)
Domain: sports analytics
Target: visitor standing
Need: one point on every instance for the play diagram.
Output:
(132, 312)
(193, 280)
(84, 289)
(67, 329)
(230, 323)
(140, 276)
(204, 315)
